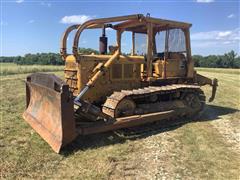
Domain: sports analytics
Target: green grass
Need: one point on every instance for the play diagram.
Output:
(219, 70)
(197, 150)
(11, 68)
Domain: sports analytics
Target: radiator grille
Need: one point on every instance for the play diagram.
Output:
(128, 71)
(117, 71)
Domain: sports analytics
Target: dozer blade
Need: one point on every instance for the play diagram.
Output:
(50, 109)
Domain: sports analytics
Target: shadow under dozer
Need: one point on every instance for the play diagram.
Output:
(211, 113)
(50, 112)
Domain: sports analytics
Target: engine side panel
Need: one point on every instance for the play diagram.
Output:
(125, 73)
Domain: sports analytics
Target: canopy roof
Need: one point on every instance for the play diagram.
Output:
(138, 24)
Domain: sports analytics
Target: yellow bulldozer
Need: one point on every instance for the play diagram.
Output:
(110, 89)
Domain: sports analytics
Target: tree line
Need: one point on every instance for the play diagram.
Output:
(41, 58)
(30, 59)
(228, 60)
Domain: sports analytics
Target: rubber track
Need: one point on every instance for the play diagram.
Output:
(112, 101)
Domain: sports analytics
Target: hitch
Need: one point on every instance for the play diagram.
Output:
(202, 80)
(214, 89)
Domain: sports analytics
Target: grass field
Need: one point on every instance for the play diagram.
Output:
(219, 70)
(11, 68)
(207, 148)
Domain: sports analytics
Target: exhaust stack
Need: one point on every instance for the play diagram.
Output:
(103, 42)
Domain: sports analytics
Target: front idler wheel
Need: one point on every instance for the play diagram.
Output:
(126, 107)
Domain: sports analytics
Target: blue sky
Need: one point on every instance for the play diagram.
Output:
(36, 26)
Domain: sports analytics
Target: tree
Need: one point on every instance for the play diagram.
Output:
(236, 63)
(87, 51)
(197, 60)
(230, 57)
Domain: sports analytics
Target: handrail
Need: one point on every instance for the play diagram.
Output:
(63, 50)
(99, 21)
